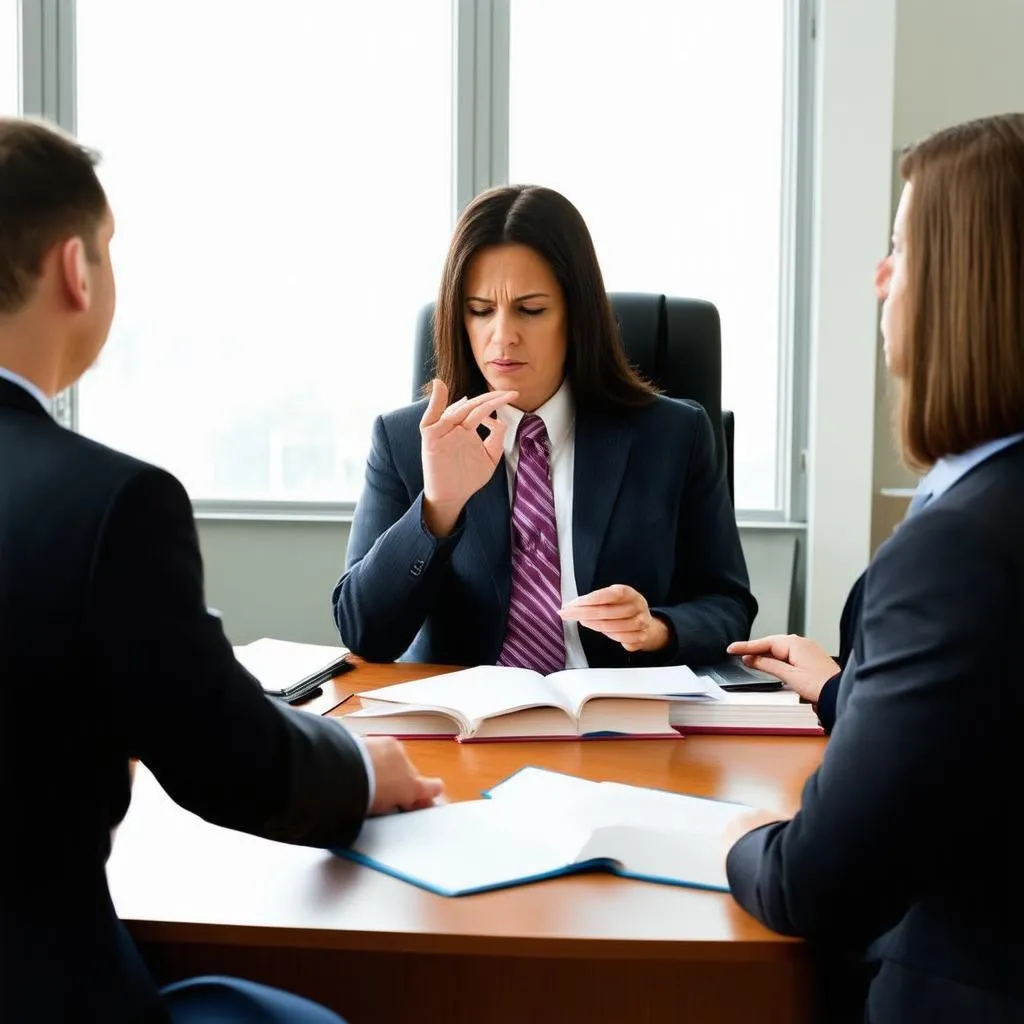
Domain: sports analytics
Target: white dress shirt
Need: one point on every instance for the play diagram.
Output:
(26, 385)
(37, 393)
(559, 416)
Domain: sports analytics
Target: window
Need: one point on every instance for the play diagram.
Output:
(280, 173)
(10, 58)
(663, 123)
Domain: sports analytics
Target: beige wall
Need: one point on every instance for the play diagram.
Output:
(955, 60)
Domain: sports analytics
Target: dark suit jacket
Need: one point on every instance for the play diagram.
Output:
(649, 510)
(905, 840)
(107, 653)
(848, 622)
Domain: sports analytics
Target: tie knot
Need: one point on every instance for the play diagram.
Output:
(531, 428)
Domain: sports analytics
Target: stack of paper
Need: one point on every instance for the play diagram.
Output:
(780, 713)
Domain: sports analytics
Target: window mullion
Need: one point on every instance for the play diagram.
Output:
(480, 97)
(48, 90)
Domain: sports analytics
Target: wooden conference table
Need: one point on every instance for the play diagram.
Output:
(201, 899)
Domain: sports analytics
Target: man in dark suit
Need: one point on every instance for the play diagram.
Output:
(107, 651)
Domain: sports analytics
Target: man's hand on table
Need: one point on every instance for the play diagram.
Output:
(399, 786)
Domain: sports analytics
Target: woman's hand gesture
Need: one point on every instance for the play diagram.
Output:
(457, 462)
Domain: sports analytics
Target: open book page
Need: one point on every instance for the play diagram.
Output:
(410, 720)
(626, 716)
(598, 804)
(577, 686)
(659, 854)
(478, 844)
(646, 832)
(535, 786)
(659, 835)
(655, 808)
(475, 693)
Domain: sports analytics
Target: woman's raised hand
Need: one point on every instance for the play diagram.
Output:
(457, 462)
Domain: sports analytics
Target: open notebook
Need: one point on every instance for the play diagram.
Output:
(539, 824)
(499, 703)
(291, 671)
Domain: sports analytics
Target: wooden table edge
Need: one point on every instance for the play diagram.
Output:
(776, 950)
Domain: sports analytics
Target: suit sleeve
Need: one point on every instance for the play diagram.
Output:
(714, 606)
(181, 703)
(825, 708)
(395, 565)
(892, 807)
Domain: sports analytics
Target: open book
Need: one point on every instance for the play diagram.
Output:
(494, 702)
(291, 671)
(539, 824)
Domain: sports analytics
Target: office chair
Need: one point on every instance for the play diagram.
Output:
(675, 343)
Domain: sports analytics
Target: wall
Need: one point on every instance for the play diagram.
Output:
(955, 60)
(275, 578)
(853, 153)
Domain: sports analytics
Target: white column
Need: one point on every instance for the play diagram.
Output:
(854, 97)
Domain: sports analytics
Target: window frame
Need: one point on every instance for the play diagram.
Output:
(480, 97)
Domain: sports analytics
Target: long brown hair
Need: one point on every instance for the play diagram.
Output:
(963, 316)
(596, 365)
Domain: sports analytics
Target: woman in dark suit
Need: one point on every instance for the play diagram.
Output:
(903, 846)
(557, 491)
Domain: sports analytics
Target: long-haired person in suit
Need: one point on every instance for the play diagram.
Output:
(905, 843)
(545, 507)
(107, 652)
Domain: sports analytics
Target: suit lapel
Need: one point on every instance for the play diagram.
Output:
(602, 447)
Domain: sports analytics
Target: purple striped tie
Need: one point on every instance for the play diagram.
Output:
(533, 635)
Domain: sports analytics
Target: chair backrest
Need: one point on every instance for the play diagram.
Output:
(675, 343)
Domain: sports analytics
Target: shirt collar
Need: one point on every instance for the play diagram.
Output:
(26, 385)
(951, 468)
(557, 413)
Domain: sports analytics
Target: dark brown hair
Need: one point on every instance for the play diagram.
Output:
(963, 317)
(48, 192)
(596, 365)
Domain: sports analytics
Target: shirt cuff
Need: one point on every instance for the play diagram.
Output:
(371, 778)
